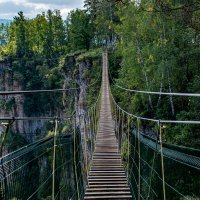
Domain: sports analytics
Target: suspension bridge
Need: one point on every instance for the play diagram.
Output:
(111, 159)
(107, 178)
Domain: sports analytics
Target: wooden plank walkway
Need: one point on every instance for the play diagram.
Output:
(107, 178)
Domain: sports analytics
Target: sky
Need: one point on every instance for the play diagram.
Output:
(10, 8)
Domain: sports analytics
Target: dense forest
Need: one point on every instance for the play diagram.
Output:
(153, 45)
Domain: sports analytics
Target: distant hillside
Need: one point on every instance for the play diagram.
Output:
(5, 21)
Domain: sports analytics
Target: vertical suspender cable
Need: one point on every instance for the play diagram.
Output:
(54, 159)
(152, 167)
(95, 109)
(115, 107)
(128, 153)
(122, 130)
(139, 168)
(89, 127)
(116, 120)
(75, 166)
(85, 144)
(5, 182)
(162, 161)
(93, 129)
(119, 127)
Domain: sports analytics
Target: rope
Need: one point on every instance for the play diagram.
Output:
(60, 147)
(36, 58)
(90, 133)
(116, 120)
(40, 187)
(34, 91)
(85, 147)
(139, 167)
(75, 167)
(183, 158)
(26, 164)
(133, 191)
(34, 118)
(162, 161)
(152, 167)
(155, 120)
(1, 152)
(160, 93)
(46, 181)
(122, 135)
(93, 129)
(122, 128)
(42, 143)
(48, 139)
(95, 121)
(128, 153)
(145, 181)
(47, 91)
(119, 128)
(174, 189)
(156, 93)
(54, 160)
(4, 136)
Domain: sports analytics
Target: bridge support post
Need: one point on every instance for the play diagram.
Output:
(85, 147)
(162, 160)
(54, 159)
(139, 167)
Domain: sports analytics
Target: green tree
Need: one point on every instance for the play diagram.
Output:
(22, 36)
(79, 30)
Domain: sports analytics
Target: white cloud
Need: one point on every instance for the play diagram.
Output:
(10, 8)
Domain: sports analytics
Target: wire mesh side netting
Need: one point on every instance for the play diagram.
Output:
(155, 170)
(181, 180)
(29, 173)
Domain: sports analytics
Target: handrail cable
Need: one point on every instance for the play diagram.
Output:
(160, 93)
(46, 91)
(49, 118)
(35, 91)
(155, 120)
(151, 92)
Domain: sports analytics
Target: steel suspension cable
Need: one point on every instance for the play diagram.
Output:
(156, 93)
(157, 120)
(160, 93)
(3, 93)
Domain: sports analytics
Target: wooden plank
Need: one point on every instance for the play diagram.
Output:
(109, 197)
(107, 178)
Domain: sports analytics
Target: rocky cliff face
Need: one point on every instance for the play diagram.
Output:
(74, 70)
(13, 105)
(76, 73)
(80, 71)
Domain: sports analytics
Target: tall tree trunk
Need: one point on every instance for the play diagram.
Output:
(144, 72)
(161, 89)
(170, 90)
